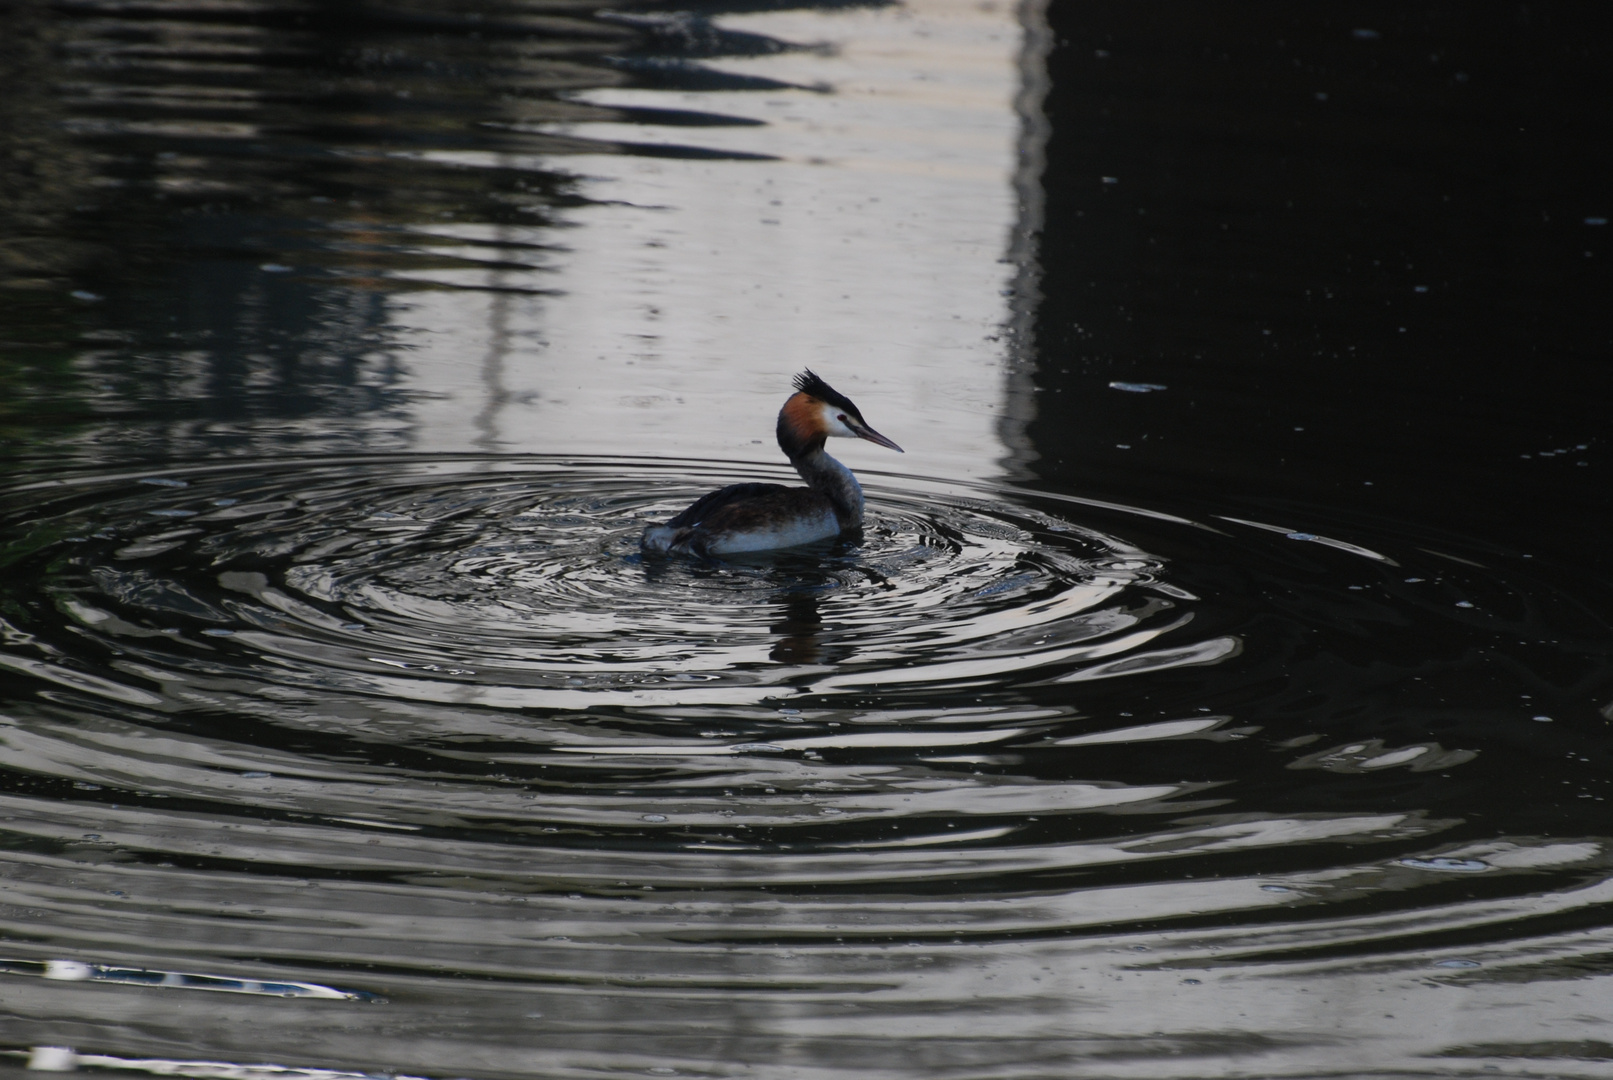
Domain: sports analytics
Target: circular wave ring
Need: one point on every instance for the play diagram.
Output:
(521, 583)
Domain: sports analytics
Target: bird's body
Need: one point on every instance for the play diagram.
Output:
(762, 517)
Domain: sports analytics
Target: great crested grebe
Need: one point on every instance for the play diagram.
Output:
(761, 517)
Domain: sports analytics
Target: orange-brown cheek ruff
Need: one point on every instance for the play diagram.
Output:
(762, 517)
(804, 415)
(802, 426)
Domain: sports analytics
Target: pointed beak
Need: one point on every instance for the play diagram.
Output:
(865, 432)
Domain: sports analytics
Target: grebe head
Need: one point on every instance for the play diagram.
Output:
(817, 410)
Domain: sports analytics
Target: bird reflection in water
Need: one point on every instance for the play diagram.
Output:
(796, 581)
(800, 631)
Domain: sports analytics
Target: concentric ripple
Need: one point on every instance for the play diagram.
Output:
(526, 588)
(432, 730)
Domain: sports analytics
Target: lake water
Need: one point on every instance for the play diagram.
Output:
(1222, 682)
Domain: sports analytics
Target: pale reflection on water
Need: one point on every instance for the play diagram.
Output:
(868, 243)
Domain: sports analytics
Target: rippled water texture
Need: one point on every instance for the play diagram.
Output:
(1220, 684)
(1007, 753)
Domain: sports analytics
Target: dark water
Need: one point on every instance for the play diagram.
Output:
(1220, 686)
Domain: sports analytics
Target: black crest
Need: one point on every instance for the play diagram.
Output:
(808, 383)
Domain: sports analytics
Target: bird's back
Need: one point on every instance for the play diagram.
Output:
(747, 517)
(711, 502)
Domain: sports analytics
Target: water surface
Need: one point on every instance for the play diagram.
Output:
(1195, 700)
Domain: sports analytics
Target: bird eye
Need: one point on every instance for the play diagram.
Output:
(842, 418)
